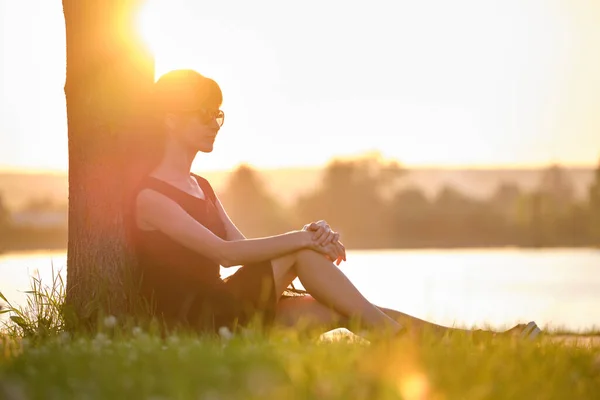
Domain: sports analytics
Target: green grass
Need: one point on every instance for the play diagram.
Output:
(38, 360)
(283, 365)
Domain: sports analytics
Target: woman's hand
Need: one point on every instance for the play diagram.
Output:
(338, 254)
(334, 252)
(323, 233)
(326, 242)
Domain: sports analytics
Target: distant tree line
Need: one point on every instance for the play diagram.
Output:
(22, 238)
(364, 200)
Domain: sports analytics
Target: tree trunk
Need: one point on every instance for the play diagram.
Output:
(109, 73)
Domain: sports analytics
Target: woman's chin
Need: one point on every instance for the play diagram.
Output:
(206, 148)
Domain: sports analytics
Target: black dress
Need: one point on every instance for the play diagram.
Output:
(184, 286)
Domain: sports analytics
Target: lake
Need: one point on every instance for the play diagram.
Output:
(559, 288)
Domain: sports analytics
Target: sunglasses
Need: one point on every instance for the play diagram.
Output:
(207, 117)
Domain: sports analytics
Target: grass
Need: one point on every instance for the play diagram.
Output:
(38, 360)
(283, 365)
(43, 315)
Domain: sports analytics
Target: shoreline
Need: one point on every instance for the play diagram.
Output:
(432, 247)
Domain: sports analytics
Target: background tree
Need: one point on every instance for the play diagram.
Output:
(354, 198)
(556, 197)
(251, 207)
(409, 218)
(4, 215)
(460, 219)
(504, 213)
(594, 207)
(505, 198)
(109, 72)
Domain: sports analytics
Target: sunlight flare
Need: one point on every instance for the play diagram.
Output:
(176, 36)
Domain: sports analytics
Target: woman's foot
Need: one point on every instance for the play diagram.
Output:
(528, 331)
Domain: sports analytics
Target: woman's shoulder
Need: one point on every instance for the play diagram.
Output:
(151, 192)
(200, 179)
(205, 186)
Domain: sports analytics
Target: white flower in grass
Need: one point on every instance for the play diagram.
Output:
(137, 331)
(110, 321)
(225, 333)
(100, 340)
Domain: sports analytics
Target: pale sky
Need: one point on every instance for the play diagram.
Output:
(430, 82)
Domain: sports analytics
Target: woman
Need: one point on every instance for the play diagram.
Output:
(182, 235)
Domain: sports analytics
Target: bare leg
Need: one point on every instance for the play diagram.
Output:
(330, 287)
(306, 310)
(307, 313)
(419, 325)
(317, 313)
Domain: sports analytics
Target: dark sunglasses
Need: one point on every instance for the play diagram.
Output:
(207, 117)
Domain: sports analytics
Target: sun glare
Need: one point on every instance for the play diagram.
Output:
(171, 32)
(479, 90)
(154, 23)
(148, 24)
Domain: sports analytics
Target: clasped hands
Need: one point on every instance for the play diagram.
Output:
(326, 241)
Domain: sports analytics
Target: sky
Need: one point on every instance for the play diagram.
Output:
(462, 83)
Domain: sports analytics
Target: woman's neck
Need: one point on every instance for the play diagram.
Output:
(176, 163)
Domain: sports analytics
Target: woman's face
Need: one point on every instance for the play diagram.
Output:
(197, 129)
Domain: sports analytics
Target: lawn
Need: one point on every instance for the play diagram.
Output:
(134, 364)
(119, 360)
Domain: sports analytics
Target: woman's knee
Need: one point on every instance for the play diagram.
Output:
(307, 254)
(284, 271)
(306, 310)
(284, 263)
(289, 260)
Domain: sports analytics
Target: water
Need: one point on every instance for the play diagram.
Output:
(499, 287)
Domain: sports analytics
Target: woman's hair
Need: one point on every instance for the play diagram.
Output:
(185, 89)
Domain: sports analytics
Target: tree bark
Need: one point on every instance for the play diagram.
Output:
(109, 74)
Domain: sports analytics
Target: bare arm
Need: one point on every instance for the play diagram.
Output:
(233, 233)
(161, 213)
(333, 250)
